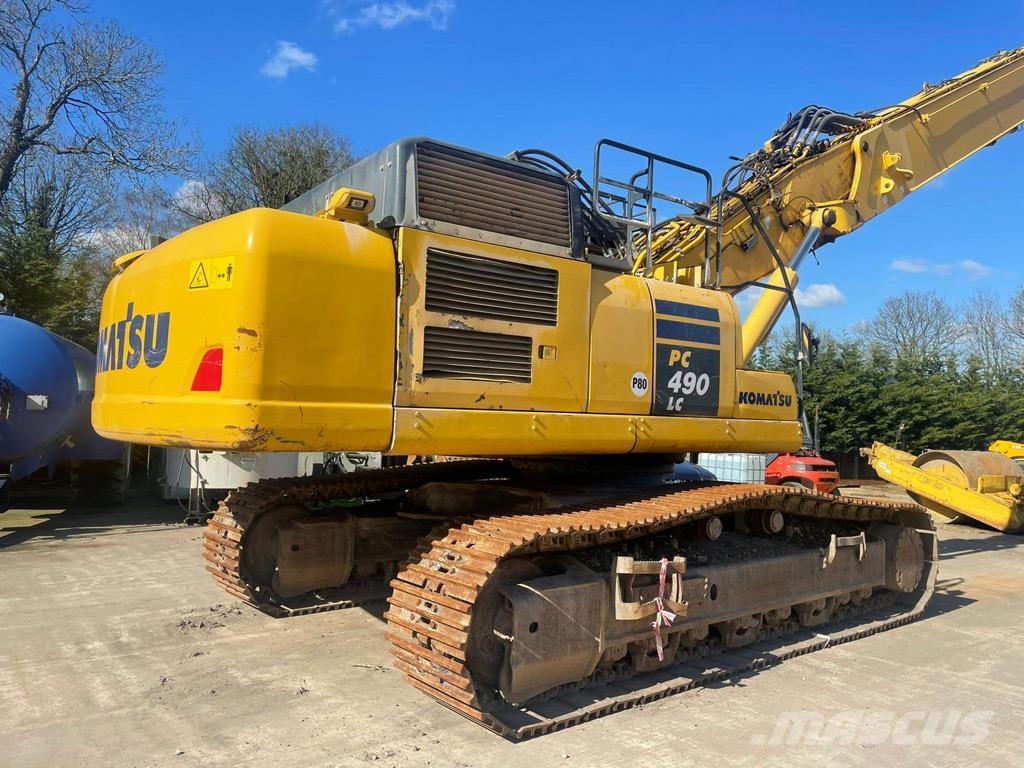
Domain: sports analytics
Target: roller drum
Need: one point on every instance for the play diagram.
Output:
(962, 468)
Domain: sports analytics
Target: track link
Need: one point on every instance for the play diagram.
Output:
(224, 536)
(432, 599)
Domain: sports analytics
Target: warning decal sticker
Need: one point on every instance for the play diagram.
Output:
(211, 274)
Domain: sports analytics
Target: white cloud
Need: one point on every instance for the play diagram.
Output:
(970, 267)
(434, 13)
(287, 57)
(974, 269)
(106, 240)
(189, 190)
(747, 298)
(198, 200)
(912, 266)
(814, 296)
(819, 295)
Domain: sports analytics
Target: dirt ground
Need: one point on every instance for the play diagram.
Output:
(117, 649)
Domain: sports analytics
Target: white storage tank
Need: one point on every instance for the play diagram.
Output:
(214, 473)
(735, 467)
(202, 478)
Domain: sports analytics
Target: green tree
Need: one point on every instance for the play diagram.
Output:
(46, 275)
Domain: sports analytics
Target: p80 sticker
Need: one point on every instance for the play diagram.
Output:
(639, 384)
(686, 381)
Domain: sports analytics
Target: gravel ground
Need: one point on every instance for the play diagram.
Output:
(117, 649)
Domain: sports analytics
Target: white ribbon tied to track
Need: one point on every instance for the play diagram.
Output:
(662, 617)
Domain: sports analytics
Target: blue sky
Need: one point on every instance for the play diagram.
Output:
(697, 82)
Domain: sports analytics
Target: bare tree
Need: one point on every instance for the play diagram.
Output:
(80, 89)
(266, 168)
(1014, 321)
(59, 194)
(139, 214)
(985, 332)
(915, 326)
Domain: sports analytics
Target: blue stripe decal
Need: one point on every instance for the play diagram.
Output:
(664, 307)
(702, 334)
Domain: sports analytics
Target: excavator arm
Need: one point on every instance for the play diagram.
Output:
(823, 174)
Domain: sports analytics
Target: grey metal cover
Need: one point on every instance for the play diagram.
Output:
(473, 190)
(427, 184)
(386, 173)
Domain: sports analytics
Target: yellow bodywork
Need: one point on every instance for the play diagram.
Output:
(285, 331)
(322, 331)
(950, 489)
(766, 311)
(306, 327)
(1009, 449)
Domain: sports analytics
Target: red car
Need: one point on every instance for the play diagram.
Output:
(804, 469)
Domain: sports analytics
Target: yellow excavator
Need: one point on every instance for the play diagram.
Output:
(571, 341)
(1009, 449)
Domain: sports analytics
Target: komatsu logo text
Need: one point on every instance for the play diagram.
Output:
(774, 399)
(135, 339)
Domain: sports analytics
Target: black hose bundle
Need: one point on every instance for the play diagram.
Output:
(602, 236)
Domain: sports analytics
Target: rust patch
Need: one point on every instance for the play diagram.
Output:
(256, 437)
(247, 331)
(253, 438)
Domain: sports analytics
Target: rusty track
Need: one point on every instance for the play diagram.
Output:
(432, 600)
(224, 537)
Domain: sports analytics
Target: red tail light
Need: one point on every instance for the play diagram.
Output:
(208, 374)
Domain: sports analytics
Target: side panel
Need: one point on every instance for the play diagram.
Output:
(511, 433)
(695, 351)
(765, 395)
(622, 324)
(491, 337)
(304, 311)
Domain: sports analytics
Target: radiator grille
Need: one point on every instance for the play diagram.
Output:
(472, 190)
(450, 353)
(471, 285)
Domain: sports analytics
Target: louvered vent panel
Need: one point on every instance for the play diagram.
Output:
(449, 353)
(470, 285)
(472, 190)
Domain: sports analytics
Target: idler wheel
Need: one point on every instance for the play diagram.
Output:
(485, 652)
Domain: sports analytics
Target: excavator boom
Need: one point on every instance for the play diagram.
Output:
(833, 172)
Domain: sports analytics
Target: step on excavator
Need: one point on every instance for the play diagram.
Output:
(570, 341)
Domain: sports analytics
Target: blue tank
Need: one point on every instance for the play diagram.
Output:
(46, 390)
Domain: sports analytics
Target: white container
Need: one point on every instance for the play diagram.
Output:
(184, 472)
(735, 467)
